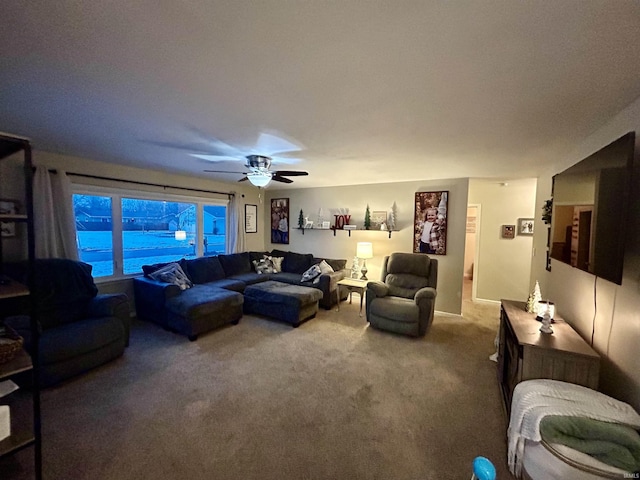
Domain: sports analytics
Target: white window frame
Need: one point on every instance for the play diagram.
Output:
(117, 194)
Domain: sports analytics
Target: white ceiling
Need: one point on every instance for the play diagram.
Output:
(371, 91)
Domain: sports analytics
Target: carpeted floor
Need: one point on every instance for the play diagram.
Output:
(332, 399)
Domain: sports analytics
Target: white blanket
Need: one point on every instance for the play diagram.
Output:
(534, 399)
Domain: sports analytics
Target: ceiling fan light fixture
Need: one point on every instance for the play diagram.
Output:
(259, 179)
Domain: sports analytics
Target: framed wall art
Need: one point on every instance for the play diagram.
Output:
(508, 231)
(430, 223)
(377, 219)
(525, 226)
(280, 220)
(250, 218)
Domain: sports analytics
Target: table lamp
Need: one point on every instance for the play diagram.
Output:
(364, 250)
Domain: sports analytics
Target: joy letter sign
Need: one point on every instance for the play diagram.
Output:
(341, 221)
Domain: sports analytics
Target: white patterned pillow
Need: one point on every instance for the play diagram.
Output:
(172, 273)
(325, 267)
(263, 266)
(311, 273)
(277, 263)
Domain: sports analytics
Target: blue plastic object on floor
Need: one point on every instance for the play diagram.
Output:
(483, 469)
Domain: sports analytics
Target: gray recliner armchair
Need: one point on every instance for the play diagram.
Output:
(404, 301)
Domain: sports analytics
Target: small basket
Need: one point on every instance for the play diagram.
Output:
(10, 348)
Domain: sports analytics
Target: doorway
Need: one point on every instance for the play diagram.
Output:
(469, 281)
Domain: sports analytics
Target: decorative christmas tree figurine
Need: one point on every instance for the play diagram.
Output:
(301, 220)
(393, 214)
(534, 298)
(367, 219)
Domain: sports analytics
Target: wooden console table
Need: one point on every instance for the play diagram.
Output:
(525, 353)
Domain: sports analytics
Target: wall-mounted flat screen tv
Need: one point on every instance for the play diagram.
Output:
(590, 210)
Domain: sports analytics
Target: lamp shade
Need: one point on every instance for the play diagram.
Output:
(259, 179)
(364, 250)
(181, 235)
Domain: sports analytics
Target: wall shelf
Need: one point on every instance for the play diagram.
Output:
(334, 230)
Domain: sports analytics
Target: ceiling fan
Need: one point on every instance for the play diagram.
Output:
(269, 148)
(259, 173)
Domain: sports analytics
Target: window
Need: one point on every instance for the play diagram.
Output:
(94, 229)
(117, 234)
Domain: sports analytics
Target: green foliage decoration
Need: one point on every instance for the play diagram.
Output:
(367, 218)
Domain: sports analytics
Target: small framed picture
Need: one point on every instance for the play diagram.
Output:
(8, 207)
(508, 231)
(251, 218)
(377, 219)
(525, 226)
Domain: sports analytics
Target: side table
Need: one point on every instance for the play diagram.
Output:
(352, 285)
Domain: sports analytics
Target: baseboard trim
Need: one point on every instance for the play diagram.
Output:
(486, 301)
(448, 314)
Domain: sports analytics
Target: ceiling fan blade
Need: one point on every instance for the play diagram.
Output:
(224, 171)
(178, 146)
(214, 146)
(271, 144)
(216, 158)
(290, 173)
(277, 178)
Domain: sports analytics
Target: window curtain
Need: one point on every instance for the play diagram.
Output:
(235, 233)
(54, 219)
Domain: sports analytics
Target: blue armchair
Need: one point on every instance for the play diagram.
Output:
(79, 329)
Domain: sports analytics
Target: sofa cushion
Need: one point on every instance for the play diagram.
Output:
(336, 264)
(204, 269)
(203, 300)
(250, 278)
(291, 279)
(228, 284)
(235, 263)
(296, 262)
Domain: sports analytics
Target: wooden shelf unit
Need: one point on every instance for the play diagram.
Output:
(24, 403)
(525, 353)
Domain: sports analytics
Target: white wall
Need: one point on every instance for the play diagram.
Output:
(379, 197)
(612, 314)
(503, 266)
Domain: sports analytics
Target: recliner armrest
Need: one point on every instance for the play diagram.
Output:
(109, 305)
(112, 305)
(378, 289)
(426, 293)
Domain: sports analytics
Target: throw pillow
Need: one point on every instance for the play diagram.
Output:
(311, 273)
(325, 267)
(263, 266)
(276, 262)
(172, 273)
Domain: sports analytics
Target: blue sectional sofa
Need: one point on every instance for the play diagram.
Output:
(215, 298)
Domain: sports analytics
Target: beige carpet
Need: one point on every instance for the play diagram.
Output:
(332, 399)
